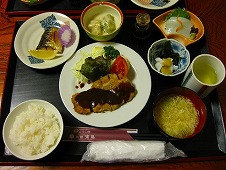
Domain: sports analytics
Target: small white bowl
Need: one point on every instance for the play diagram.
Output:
(177, 48)
(8, 124)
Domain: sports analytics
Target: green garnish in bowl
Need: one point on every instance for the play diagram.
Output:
(178, 12)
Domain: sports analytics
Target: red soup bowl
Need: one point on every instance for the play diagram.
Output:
(179, 113)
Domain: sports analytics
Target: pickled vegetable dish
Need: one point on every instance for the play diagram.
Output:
(166, 59)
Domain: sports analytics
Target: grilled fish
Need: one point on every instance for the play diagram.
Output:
(106, 94)
(50, 41)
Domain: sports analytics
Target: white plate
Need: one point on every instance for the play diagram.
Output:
(29, 35)
(8, 124)
(149, 6)
(139, 75)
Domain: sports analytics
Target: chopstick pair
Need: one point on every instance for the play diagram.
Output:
(87, 134)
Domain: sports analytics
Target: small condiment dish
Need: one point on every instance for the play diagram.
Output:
(160, 22)
(17, 150)
(96, 11)
(156, 51)
(181, 119)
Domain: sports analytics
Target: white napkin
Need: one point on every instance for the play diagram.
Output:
(127, 151)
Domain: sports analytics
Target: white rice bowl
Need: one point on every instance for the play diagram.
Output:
(33, 129)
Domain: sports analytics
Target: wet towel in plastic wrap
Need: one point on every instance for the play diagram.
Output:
(130, 151)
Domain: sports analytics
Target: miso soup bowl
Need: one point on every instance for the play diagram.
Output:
(101, 8)
(197, 103)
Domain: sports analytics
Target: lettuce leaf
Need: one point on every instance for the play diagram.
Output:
(93, 69)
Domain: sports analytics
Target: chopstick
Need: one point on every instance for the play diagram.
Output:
(84, 134)
(156, 137)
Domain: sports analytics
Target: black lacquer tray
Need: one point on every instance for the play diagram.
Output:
(24, 83)
(16, 7)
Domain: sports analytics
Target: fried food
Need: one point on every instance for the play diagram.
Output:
(106, 94)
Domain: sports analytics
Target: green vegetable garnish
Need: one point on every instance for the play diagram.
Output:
(32, 2)
(194, 31)
(192, 36)
(178, 13)
(111, 52)
(93, 69)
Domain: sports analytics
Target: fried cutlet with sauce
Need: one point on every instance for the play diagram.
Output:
(106, 94)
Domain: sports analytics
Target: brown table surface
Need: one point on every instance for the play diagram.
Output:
(212, 14)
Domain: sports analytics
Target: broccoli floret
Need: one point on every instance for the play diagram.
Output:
(111, 52)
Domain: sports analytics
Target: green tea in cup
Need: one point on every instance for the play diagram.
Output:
(205, 73)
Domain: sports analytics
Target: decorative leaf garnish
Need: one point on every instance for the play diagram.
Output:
(179, 12)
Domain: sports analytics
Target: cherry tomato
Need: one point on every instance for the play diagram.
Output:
(120, 66)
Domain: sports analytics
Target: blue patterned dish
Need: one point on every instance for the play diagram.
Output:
(160, 3)
(155, 4)
(177, 48)
(29, 35)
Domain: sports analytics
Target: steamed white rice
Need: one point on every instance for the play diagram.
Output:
(35, 130)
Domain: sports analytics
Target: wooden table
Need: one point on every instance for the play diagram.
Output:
(212, 14)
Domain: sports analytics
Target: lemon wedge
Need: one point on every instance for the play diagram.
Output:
(43, 54)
